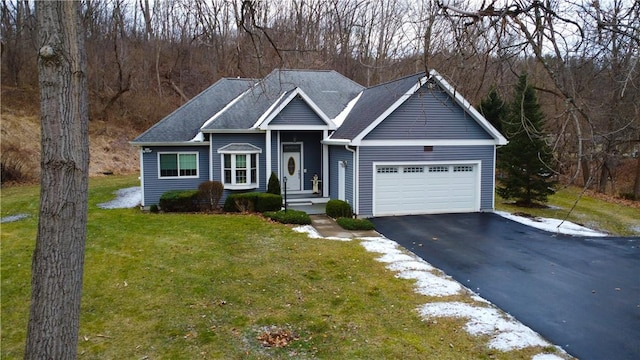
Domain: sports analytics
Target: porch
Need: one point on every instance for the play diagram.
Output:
(311, 204)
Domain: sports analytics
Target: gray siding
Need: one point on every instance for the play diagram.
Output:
(428, 114)
(220, 140)
(339, 153)
(274, 153)
(297, 112)
(312, 151)
(368, 155)
(154, 186)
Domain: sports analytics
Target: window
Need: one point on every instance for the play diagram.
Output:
(240, 166)
(387, 170)
(463, 168)
(438, 169)
(178, 164)
(413, 169)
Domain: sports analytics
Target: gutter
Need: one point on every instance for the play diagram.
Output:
(170, 143)
(340, 142)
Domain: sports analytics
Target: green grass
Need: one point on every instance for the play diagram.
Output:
(188, 286)
(612, 218)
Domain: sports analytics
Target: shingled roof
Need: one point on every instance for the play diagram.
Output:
(329, 90)
(184, 123)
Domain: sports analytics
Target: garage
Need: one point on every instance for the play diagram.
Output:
(426, 188)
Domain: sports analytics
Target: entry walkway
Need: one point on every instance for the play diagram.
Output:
(327, 227)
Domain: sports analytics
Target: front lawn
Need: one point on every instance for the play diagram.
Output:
(189, 286)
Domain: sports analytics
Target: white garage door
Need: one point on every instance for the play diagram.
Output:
(425, 189)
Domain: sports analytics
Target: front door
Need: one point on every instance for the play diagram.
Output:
(291, 166)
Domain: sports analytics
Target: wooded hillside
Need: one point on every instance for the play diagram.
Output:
(145, 58)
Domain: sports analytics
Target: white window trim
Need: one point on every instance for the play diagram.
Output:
(178, 153)
(252, 183)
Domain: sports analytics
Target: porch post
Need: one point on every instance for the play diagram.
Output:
(325, 165)
(268, 154)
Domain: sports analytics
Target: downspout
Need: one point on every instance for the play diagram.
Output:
(356, 196)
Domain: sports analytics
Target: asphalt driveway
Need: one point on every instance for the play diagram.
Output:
(580, 293)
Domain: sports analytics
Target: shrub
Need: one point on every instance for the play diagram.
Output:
(179, 201)
(274, 185)
(268, 202)
(209, 195)
(13, 166)
(628, 196)
(253, 201)
(154, 209)
(289, 217)
(338, 208)
(355, 224)
(238, 203)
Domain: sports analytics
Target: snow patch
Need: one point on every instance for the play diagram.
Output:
(553, 225)
(314, 234)
(506, 333)
(546, 357)
(12, 218)
(429, 284)
(394, 257)
(410, 265)
(125, 199)
(381, 245)
(310, 230)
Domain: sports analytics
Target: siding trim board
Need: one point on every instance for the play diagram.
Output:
(427, 142)
(467, 107)
(142, 151)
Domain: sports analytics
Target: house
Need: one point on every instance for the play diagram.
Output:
(409, 146)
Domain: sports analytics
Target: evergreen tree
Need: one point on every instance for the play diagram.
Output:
(493, 108)
(526, 162)
(273, 187)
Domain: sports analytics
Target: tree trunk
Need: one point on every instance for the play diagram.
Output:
(636, 184)
(58, 258)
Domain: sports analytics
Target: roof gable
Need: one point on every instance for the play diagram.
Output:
(377, 103)
(327, 92)
(429, 113)
(295, 109)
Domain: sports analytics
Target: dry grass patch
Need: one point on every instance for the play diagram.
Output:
(618, 218)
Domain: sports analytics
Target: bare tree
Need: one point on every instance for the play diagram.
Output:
(58, 259)
(563, 39)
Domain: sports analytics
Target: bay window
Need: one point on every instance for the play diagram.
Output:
(240, 166)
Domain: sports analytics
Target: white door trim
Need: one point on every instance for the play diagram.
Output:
(283, 160)
(342, 180)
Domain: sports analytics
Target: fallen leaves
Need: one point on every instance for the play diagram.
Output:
(275, 337)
